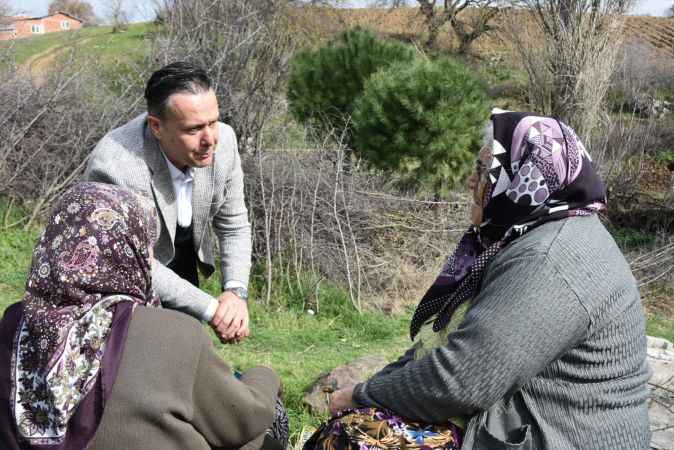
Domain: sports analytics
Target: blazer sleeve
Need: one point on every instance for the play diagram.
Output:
(181, 295)
(229, 412)
(230, 222)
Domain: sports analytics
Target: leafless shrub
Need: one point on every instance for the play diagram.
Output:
(621, 150)
(78, 8)
(641, 70)
(48, 129)
(654, 265)
(117, 15)
(245, 47)
(311, 216)
(5, 10)
(568, 49)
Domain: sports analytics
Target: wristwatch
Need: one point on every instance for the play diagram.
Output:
(240, 292)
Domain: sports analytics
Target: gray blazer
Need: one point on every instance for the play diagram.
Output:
(130, 156)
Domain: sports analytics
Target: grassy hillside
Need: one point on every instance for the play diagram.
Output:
(97, 41)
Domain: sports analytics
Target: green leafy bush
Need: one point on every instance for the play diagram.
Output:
(324, 83)
(422, 120)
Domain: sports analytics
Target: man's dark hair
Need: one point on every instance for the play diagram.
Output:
(176, 77)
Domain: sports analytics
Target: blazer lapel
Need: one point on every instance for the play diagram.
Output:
(202, 194)
(162, 186)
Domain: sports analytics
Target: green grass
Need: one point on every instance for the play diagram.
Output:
(98, 42)
(660, 326)
(666, 156)
(16, 248)
(629, 238)
(301, 346)
(108, 48)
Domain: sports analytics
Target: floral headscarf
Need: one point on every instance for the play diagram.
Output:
(90, 268)
(540, 171)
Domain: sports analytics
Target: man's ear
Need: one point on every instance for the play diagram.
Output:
(155, 125)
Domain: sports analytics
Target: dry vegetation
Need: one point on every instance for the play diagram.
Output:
(310, 216)
(408, 24)
(350, 227)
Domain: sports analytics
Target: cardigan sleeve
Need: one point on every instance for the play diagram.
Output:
(525, 316)
(229, 412)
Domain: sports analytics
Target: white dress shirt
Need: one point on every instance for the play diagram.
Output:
(182, 187)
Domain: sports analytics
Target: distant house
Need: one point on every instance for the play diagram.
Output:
(18, 27)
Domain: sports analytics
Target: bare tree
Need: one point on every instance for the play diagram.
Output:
(435, 17)
(473, 23)
(4, 8)
(469, 19)
(117, 15)
(568, 49)
(78, 8)
(669, 12)
(245, 45)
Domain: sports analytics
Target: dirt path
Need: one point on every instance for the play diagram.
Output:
(36, 66)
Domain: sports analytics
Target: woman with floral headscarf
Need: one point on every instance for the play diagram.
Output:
(87, 361)
(551, 350)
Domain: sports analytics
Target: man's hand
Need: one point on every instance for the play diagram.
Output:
(230, 320)
(342, 399)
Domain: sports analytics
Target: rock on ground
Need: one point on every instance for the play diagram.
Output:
(661, 402)
(352, 373)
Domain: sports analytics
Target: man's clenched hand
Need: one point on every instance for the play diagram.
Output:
(230, 320)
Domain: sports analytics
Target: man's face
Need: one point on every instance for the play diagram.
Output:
(188, 133)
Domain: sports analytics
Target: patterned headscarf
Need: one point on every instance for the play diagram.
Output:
(90, 268)
(540, 171)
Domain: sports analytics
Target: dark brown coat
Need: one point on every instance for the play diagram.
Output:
(174, 391)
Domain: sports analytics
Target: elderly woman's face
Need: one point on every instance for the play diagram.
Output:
(478, 183)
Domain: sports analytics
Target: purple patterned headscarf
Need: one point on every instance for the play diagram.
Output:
(540, 171)
(89, 269)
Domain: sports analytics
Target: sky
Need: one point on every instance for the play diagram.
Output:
(138, 10)
(142, 10)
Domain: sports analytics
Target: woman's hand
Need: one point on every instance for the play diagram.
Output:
(342, 399)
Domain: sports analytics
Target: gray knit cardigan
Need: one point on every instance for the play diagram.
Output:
(550, 355)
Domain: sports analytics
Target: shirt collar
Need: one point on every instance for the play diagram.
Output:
(177, 174)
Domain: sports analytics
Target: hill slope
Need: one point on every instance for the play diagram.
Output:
(98, 42)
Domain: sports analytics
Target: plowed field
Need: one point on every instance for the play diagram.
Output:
(406, 23)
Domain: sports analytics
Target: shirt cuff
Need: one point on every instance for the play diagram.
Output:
(233, 284)
(210, 310)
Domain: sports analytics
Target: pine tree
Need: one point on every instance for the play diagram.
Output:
(422, 120)
(325, 83)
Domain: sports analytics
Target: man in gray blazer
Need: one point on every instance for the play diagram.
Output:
(180, 154)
